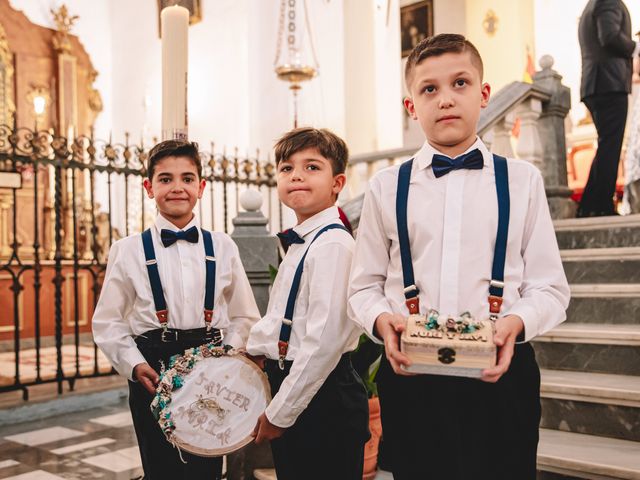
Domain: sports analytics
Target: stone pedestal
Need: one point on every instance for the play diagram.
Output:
(551, 129)
(258, 250)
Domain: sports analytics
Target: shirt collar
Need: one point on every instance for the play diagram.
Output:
(324, 217)
(424, 156)
(162, 223)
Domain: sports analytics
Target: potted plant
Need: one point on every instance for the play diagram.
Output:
(366, 361)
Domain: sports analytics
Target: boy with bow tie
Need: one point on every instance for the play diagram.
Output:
(317, 421)
(457, 229)
(173, 287)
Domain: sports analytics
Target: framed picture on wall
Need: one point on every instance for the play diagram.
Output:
(416, 24)
(194, 7)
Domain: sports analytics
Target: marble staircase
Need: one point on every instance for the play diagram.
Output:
(590, 365)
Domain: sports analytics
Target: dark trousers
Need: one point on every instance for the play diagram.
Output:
(160, 460)
(327, 440)
(609, 112)
(438, 427)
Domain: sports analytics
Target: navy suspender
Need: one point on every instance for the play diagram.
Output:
(287, 321)
(210, 282)
(402, 197)
(154, 278)
(156, 285)
(496, 286)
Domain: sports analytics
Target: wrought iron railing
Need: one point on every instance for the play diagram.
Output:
(77, 197)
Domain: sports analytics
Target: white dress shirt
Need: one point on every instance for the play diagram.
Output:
(126, 309)
(452, 222)
(321, 330)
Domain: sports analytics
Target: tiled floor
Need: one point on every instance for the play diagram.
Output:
(95, 444)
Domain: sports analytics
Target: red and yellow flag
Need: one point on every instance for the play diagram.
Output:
(529, 69)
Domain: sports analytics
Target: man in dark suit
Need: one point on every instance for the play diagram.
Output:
(607, 49)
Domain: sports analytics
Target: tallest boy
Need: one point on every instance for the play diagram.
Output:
(440, 427)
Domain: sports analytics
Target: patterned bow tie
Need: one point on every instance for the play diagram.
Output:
(169, 237)
(442, 164)
(289, 237)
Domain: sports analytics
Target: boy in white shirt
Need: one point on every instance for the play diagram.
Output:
(441, 426)
(163, 294)
(317, 421)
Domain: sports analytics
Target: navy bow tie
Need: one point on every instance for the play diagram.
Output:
(442, 164)
(169, 237)
(289, 237)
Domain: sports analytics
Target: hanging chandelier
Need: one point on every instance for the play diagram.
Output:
(293, 70)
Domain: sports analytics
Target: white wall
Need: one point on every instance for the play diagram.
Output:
(504, 53)
(360, 87)
(388, 92)
(269, 98)
(373, 89)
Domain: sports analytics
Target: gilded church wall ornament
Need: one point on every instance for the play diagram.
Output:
(490, 23)
(95, 99)
(7, 105)
(64, 23)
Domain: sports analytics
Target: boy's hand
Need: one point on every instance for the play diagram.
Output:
(265, 430)
(146, 376)
(507, 329)
(259, 360)
(389, 327)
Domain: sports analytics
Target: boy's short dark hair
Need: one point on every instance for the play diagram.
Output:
(173, 148)
(330, 146)
(439, 45)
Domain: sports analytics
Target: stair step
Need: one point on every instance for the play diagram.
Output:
(592, 403)
(605, 290)
(609, 389)
(604, 303)
(588, 456)
(598, 348)
(602, 265)
(594, 304)
(599, 254)
(607, 334)
(601, 232)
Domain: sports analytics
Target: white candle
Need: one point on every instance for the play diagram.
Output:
(175, 26)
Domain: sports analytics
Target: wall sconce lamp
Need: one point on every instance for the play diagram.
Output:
(38, 97)
(39, 104)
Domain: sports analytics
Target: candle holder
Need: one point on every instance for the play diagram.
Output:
(295, 71)
(176, 134)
